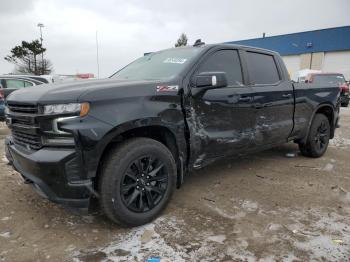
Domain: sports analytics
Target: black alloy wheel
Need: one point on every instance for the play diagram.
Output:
(144, 184)
(322, 135)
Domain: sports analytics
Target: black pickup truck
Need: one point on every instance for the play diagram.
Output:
(126, 142)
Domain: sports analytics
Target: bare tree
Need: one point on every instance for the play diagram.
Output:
(182, 41)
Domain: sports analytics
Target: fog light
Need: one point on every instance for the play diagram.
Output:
(58, 141)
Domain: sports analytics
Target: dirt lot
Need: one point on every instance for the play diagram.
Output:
(263, 207)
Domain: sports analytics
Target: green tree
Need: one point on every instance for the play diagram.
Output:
(27, 60)
(182, 41)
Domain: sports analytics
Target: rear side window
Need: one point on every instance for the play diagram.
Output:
(262, 69)
(27, 83)
(14, 83)
(226, 61)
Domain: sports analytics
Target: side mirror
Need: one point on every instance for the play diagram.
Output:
(211, 80)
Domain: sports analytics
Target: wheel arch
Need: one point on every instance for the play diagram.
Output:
(161, 133)
(329, 111)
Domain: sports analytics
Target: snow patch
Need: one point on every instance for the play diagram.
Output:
(4, 159)
(329, 167)
(6, 234)
(339, 142)
(218, 239)
(225, 214)
(248, 205)
(139, 244)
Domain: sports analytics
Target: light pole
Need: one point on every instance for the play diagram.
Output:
(97, 58)
(41, 25)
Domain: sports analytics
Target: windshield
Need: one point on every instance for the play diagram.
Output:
(329, 79)
(160, 65)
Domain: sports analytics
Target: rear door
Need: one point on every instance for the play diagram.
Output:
(221, 120)
(273, 99)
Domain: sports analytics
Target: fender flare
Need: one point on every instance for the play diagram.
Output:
(312, 118)
(140, 123)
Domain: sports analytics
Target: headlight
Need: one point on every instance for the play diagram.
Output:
(80, 108)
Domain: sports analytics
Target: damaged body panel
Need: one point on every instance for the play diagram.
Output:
(259, 109)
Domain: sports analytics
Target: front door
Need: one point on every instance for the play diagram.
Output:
(221, 120)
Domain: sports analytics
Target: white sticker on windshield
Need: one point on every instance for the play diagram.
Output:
(174, 60)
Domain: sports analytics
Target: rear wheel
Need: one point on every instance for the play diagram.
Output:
(318, 138)
(137, 181)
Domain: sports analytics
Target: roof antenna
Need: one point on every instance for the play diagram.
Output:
(198, 42)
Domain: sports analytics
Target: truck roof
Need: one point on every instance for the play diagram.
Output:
(209, 46)
(244, 47)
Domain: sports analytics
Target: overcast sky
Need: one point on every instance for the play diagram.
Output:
(127, 29)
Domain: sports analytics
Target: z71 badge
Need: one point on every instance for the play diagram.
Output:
(167, 88)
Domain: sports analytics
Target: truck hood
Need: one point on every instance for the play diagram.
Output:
(81, 90)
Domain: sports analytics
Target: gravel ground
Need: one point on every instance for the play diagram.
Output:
(262, 207)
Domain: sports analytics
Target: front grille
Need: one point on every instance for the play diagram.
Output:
(23, 121)
(27, 140)
(22, 108)
(23, 124)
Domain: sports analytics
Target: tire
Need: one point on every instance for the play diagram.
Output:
(137, 181)
(318, 137)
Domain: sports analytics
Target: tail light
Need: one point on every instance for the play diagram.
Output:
(344, 88)
(2, 97)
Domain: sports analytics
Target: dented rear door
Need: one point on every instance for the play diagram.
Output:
(273, 99)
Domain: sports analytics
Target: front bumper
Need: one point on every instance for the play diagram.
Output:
(52, 172)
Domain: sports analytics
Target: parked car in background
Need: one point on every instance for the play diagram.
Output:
(46, 79)
(2, 105)
(301, 75)
(10, 83)
(326, 79)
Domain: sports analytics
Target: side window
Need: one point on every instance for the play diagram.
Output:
(224, 61)
(26, 83)
(262, 68)
(14, 83)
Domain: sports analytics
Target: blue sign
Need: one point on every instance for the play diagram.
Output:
(153, 259)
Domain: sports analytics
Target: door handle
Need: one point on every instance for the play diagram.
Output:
(287, 95)
(258, 106)
(245, 99)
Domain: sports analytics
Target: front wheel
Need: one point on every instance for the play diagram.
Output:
(137, 181)
(318, 138)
